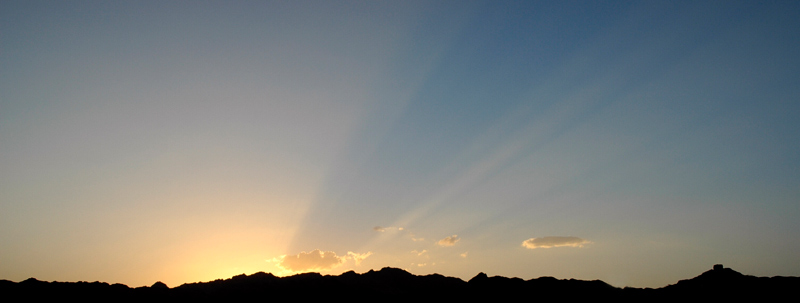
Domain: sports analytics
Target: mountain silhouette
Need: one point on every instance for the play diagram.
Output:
(393, 284)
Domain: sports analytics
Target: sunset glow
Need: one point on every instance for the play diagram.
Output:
(634, 142)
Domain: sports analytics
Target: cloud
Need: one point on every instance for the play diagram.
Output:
(449, 241)
(419, 253)
(383, 229)
(464, 255)
(317, 260)
(357, 258)
(403, 231)
(548, 242)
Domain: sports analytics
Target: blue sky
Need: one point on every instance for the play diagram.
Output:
(635, 142)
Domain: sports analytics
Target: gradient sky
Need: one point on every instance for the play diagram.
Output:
(634, 142)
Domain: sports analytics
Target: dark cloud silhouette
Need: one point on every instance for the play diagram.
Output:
(549, 242)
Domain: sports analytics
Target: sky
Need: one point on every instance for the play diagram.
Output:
(638, 142)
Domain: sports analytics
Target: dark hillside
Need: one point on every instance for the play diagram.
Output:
(396, 284)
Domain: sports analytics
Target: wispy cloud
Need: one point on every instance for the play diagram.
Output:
(449, 241)
(317, 260)
(391, 229)
(549, 242)
(357, 258)
(383, 229)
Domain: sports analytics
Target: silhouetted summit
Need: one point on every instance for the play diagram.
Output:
(726, 283)
(397, 284)
(159, 285)
(479, 278)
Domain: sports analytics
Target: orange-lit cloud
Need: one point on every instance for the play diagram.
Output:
(548, 242)
(449, 241)
(317, 260)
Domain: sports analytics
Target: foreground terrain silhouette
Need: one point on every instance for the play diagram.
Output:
(392, 284)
